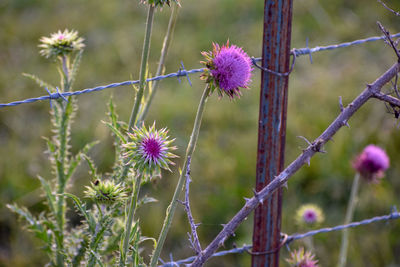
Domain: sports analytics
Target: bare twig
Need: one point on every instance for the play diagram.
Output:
(387, 98)
(389, 40)
(341, 104)
(388, 8)
(394, 84)
(285, 175)
(193, 237)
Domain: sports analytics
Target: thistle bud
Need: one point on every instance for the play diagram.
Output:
(159, 2)
(301, 258)
(61, 44)
(106, 192)
(372, 163)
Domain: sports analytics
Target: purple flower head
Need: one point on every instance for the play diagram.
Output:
(301, 258)
(149, 150)
(372, 163)
(309, 215)
(228, 68)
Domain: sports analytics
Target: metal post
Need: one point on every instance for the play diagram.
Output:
(272, 129)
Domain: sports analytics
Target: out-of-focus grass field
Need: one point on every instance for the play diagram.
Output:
(223, 167)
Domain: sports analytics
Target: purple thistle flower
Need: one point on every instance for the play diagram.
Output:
(372, 163)
(309, 215)
(228, 68)
(149, 150)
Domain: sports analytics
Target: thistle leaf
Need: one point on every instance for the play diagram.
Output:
(77, 159)
(75, 67)
(86, 214)
(40, 82)
(76, 260)
(116, 131)
(34, 225)
(49, 195)
(92, 167)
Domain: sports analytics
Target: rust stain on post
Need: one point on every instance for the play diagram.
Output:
(272, 129)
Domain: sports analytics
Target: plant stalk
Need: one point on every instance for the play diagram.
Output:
(61, 179)
(189, 152)
(349, 217)
(129, 221)
(142, 79)
(160, 69)
(142, 75)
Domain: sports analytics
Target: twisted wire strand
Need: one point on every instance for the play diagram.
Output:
(394, 215)
(183, 72)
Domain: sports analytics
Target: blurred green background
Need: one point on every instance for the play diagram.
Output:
(223, 167)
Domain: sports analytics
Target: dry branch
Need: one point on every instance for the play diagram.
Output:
(372, 90)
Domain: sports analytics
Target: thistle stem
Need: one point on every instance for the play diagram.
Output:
(349, 216)
(62, 152)
(65, 77)
(189, 152)
(164, 51)
(142, 79)
(129, 221)
(142, 75)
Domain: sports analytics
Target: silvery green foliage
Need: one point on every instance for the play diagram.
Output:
(96, 240)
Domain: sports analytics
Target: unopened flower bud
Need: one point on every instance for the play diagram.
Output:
(61, 44)
(301, 258)
(372, 163)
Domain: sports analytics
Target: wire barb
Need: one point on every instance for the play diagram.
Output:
(280, 74)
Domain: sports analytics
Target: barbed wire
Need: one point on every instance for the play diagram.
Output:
(182, 72)
(394, 215)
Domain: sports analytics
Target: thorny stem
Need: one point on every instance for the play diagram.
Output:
(189, 152)
(301, 160)
(143, 66)
(387, 98)
(129, 221)
(193, 237)
(61, 161)
(142, 79)
(65, 77)
(164, 52)
(349, 217)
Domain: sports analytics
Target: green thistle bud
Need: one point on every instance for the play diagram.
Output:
(106, 192)
(149, 150)
(301, 258)
(159, 2)
(61, 44)
(309, 215)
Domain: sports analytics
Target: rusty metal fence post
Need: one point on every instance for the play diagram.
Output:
(272, 129)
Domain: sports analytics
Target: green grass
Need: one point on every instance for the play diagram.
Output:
(223, 167)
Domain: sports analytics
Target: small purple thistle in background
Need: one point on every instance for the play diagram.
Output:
(309, 215)
(372, 163)
(228, 68)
